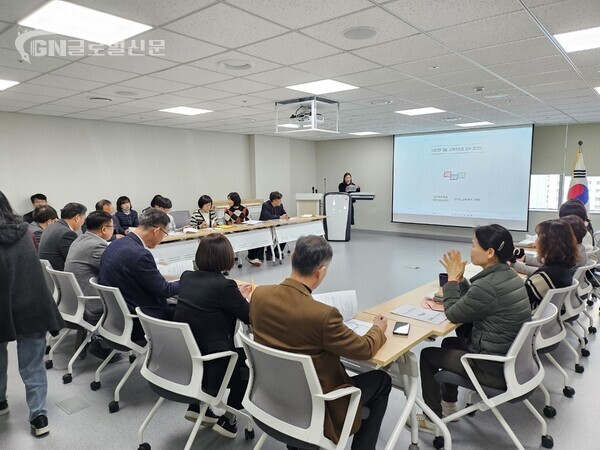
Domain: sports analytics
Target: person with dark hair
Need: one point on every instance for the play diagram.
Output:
(164, 204)
(212, 304)
(107, 207)
(272, 209)
(125, 216)
(348, 187)
(36, 200)
(496, 303)
(205, 216)
(58, 237)
(43, 216)
(152, 202)
(27, 313)
(287, 317)
(128, 264)
(557, 249)
(236, 213)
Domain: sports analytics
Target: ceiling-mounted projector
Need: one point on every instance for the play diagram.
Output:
(304, 115)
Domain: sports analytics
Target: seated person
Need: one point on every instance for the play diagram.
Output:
(36, 200)
(205, 216)
(128, 264)
(287, 317)
(125, 216)
(557, 248)
(576, 208)
(43, 216)
(164, 204)
(271, 210)
(212, 305)
(152, 202)
(236, 213)
(58, 237)
(107, 207)
(495, 302)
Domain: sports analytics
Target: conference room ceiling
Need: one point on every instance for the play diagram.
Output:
(426, 53)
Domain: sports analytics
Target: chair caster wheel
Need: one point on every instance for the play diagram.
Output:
(569, 391)
(113, 407)
(438, 442)
(47, 349)
(585, 352)
(226, 273)
(132, 359)
(550, 411)
(240, 266)
(592, 330)
(413, 447)
(67, 378)
(144, 446)
(95, 385)
(585, 340)
(579, 368)
(249, 434)
(547, 441)
(49, 364)
(471, 414)
(590, 303)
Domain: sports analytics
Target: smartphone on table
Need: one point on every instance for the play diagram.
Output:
(402, 328)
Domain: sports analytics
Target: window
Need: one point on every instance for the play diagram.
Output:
(594, 190)
(544, 192)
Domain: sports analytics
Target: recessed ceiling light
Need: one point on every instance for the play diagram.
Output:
(100, 99)
(579, 40)
(322, 87)
(473, 124)
(77, 21)
(434, 67)
(364, 133)
(450, 119)
(420, 111)
(127, 93)
(5, 84)
(495, 96)
(597, 89)
(479, 89)
(236, 64)
(381, 102)
(186, 110)
(360, 33)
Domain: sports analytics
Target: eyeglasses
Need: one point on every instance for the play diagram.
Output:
(108, 226)
(166, 232)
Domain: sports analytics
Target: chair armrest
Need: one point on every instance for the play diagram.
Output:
(212, 356)
(481, 357)
(338, 393)
(484, 357)
(90, 297)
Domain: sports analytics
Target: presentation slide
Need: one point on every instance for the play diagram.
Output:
(463, 178)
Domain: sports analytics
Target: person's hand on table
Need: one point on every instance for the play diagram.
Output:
(454, 265)
(285, 216)
(246, 290)
(204, 225)
(381, 322)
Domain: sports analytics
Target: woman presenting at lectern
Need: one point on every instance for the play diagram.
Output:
(348, 186)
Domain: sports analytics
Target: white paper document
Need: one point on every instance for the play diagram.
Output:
(176, 269)
(252, 222)
(529, 239)
(360, 327)
(422, 314)
(344, 301)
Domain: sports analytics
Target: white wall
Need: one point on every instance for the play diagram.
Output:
(303, 171)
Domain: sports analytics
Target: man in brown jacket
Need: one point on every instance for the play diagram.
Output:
(286, 317)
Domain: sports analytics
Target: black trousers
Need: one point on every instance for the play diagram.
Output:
(447, 357)
(214, 372)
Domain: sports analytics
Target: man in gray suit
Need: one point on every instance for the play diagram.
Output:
(58, 237)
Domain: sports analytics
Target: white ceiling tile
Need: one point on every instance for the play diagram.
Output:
(412, 48)
(586, 58)
(4, 26)
(12, 58)
(402, 87)
(443, 64)
(55, 81)
(181, 48)
(138, 64)
(14, 11)
(239, 28)
(247, 100)
(531, 66)
(202, 93)
(545, 78)
(8, 73)
(214, 63)
(569, 15)
(191, 75)
(284, 76)
(149, 12)
(433, 14)
(172, 100)
(295, 15)
(353, 95)
(36, 89)
(239, 86)
(460, 78)
(388, 28)
(156, 84)
(8, 94)
(556, 87)
(291, 48)
(372, 77)
(489, 85)
(503, 29)
(121, 91)
(514, 51)
(336, 65)
(94, 73)
(14, 105)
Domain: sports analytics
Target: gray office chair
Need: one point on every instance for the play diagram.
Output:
(523, 372)
(71, 304)
(116, 328)
(181, 218)
(174, 369)
(285, 398)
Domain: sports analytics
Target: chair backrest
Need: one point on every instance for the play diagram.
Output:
(49, 281)
(574, 304)
(283, 392)
(71, 303)
(171, 359)
(554, 331)
(525, 372)
(117, 324)
(181, 218)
